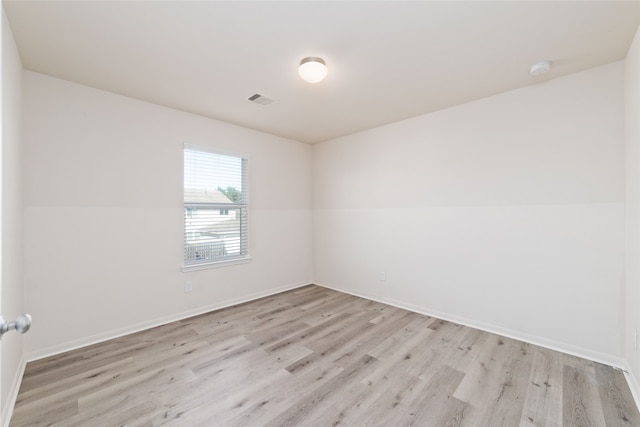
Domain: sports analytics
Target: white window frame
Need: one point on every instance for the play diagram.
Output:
(243, 257)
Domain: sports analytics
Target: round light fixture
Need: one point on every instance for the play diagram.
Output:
(540, 68)
(312, 69)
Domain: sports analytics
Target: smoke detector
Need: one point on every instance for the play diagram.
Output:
(541, 67)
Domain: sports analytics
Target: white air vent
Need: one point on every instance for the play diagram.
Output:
(261, 99)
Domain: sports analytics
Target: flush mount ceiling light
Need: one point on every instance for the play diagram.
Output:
(540, 68)
(312, 69)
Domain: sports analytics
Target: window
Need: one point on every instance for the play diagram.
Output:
(215, 208)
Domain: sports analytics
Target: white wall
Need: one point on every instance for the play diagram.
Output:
(12, 248)
(506, 213)
(103, 214)
(632, 200)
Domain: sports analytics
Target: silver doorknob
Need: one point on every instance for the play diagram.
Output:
(20, 325)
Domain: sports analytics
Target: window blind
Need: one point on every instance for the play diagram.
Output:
(215, 207)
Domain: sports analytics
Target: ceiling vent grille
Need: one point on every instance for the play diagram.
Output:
(261, 99)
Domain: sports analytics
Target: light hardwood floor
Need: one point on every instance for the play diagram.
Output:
(317, 357)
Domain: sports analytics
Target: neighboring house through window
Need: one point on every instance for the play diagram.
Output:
(215, 208)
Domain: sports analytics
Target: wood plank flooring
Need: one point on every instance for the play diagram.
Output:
(317, 357)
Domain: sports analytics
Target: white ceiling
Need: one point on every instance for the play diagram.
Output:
(387, 61)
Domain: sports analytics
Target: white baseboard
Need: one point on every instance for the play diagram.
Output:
(7, 408)
(105, 336)
(595, 356)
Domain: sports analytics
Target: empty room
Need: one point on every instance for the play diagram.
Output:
(320, 213)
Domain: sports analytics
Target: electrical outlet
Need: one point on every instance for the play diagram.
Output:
(188, 286)
(383, 276)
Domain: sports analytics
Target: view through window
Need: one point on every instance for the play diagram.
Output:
(215, 207)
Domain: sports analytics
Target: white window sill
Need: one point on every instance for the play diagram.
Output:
(216, 264)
